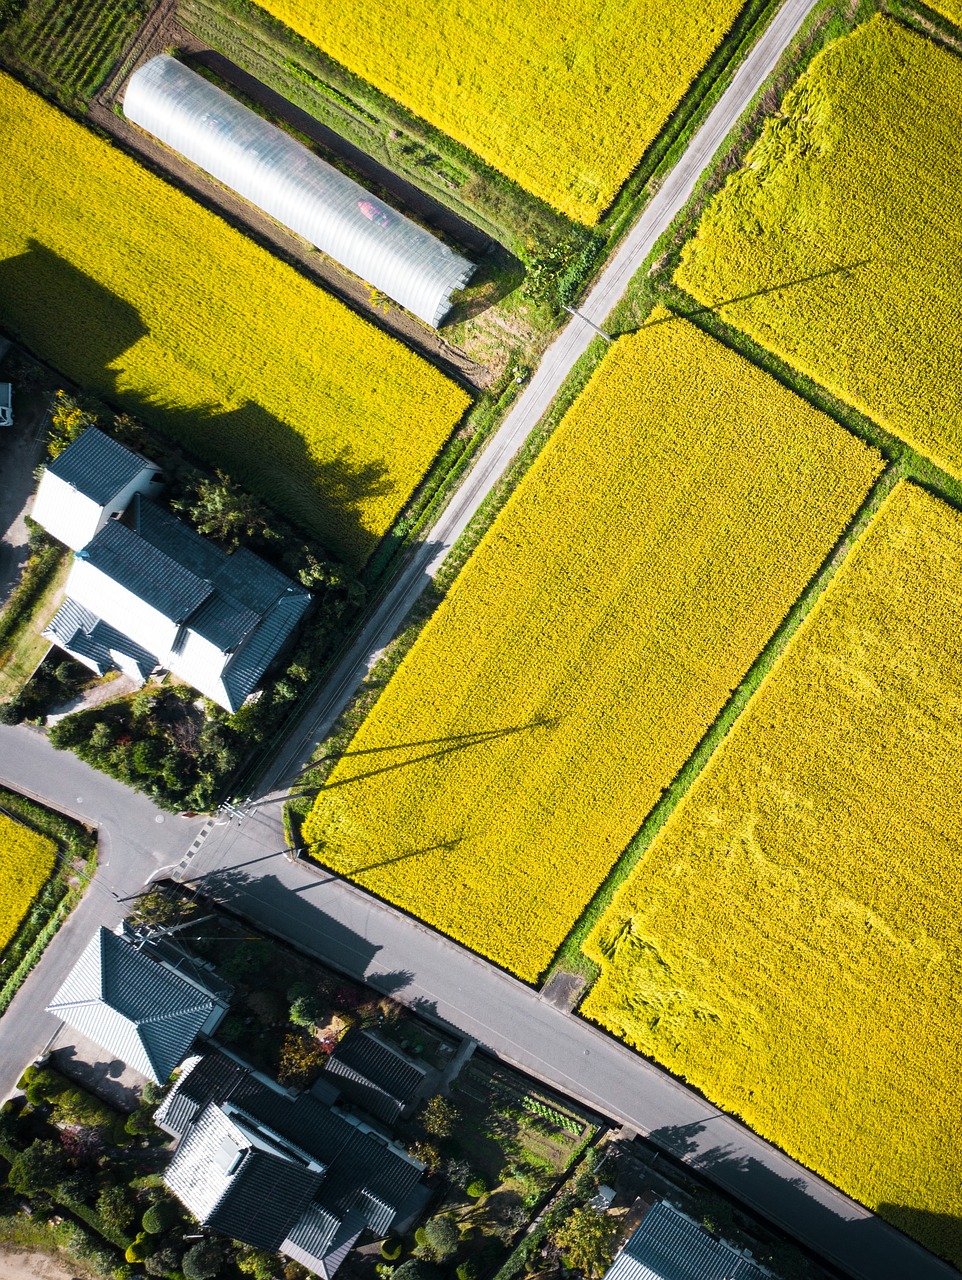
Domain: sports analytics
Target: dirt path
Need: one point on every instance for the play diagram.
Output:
(18, 1265)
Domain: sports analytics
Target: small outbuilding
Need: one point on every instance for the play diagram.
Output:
(668, 1245)
(375, 1075)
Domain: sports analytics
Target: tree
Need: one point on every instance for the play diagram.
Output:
(38, 1168)
(442, 1236)
(587, 1240)
(203, 1260)
(428, 1154)
(440, 1116)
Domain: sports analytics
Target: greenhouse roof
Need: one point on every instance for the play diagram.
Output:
(286, 180)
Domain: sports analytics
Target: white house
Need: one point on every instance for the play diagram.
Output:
(146, 593)
(92, 481)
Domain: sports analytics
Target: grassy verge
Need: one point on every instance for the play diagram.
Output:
(29, 609)
(77, 849)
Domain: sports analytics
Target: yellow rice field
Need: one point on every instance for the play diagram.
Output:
(843, 228)
(790, 942)
(26, 862)
(619, 597)
(138, 293)
(563, 100)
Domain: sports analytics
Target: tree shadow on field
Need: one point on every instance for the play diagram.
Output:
(812, 1211)
(838, 270)
(82, 329)
(446, 746)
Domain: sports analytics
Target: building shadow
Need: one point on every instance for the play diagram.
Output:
(65, 317)
(268, 905)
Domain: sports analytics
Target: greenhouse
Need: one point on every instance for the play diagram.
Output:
(286, 180)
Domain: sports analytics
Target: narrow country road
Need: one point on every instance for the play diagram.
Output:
(244, 862)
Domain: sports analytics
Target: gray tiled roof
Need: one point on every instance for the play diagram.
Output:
(136, 1009)
(669, 1246)
(146, 572)
(261, 648)
(314, 1245)
(82, 634)
(363, 1173)
(373, 1074)
(97, 466)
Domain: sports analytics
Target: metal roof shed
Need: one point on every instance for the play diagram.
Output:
(286, 180)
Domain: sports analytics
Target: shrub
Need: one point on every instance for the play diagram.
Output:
(476, 1188)
(442, 1236)
(307, 1011)
(116, 1209)
(159, 1217)
(416, 1269)
(203, 1260)
(440, 1116)
(138, 1249)
(164, 1262)
(37, 1168)
(391, 1249)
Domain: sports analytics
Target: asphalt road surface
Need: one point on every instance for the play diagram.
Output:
(245, 863)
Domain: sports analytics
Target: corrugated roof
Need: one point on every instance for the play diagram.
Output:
(289, 182)
(134, 1008)
(98, 466)
(669, 1246)
(146, 572)
(373, 1074)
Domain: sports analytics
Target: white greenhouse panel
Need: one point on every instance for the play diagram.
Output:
(286, 180)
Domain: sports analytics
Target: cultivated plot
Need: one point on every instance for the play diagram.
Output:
(28, 862)
(617, 600)
(790, 942)
(564, 102)
(841, 235)
(136, 292)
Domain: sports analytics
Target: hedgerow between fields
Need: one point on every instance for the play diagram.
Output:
(136, 292)
(834, 246)
(564, 103)
(789, 944)
(617, 600)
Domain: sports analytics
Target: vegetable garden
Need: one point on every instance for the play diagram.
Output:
(836, 245)
(790, 942)
(136, 292)
(662, 534)
(564, 105)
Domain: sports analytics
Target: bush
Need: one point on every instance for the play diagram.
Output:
(416, 1269)
(138, 1249)
(464, 1271)
(116, 1209)
(477, 1187)
(38, 1168)
(442, 1236)
(440, 1116)
(307, 1011)
(391, 1249)
(164, 1262)
(140, 1123)
(203, 1260)
(159, 1217)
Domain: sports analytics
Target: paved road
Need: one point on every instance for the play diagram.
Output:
(558, 361)
(247, 867)
(135, 840)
